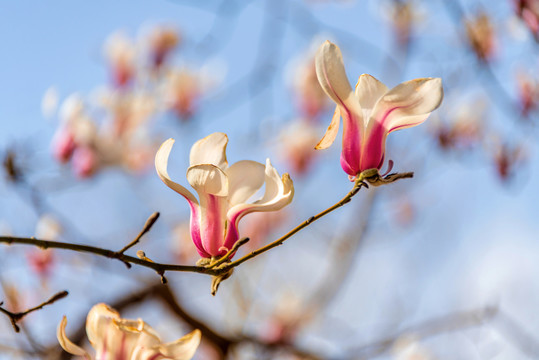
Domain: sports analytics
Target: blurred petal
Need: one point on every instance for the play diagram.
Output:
(161, 164)
(66, 344)
(244, 178)
(210, 150)
(331, 132)
(181, 349)
(98, 322)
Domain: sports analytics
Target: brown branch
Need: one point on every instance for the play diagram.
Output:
(16, 317)
(147, 226)
(158, 267)
(371, 176)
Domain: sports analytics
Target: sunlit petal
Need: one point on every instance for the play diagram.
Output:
(331, 74)
(183, 348)
(98, 322)
(209, 179)
(279, 192)
(331, 132)
(161, 164)
(399, 107)
(210, 150)
(245, 178)
(368, 91)
(66, 344)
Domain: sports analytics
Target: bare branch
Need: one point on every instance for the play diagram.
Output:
(16, 317)
(147, 226)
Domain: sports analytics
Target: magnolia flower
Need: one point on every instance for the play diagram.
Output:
(223, 191)
(114, 338)
(372, 111)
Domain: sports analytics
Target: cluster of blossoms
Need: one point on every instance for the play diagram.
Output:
(112, 127)
(369, 115)
(114, 338)
(223, 192)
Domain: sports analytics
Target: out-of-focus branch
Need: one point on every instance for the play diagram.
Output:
(222, 343)
(16, 317)
(444, 324)
(343, 257)
(514, 332)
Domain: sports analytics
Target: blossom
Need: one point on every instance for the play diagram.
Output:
(372, 111)
(120, 53)
(114, 338)
(223, 191)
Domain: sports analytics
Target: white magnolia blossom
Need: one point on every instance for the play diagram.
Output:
(223, 192)
(114, 338)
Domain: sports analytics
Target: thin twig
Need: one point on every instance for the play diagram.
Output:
(229, 254)
(16, 317)
(357, 186)
(147, 226)
(160, 268)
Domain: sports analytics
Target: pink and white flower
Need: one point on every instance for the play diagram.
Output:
(223, 191)
(114, 338)
(372, 111)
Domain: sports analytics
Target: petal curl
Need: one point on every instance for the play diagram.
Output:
(208, 179)
(279, 192)
(330, 72)
(210, 150)
(66, 344)
(161, 164)
(98, 322)
(181, 349)
(399, 108)
(244, 178)
(331, 132)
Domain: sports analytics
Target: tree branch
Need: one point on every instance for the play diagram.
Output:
(16, 317)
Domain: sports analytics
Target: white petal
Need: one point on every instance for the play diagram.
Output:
(278, 193)
(402, 105)
(330, 72)
(210, 150)
(127, 335)
(244, 179)
(66, 344)
(72, 107)
(369, 90)
(331, 132)
(208, 179)
(181, 349)
(161, 164)
(98, 322)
